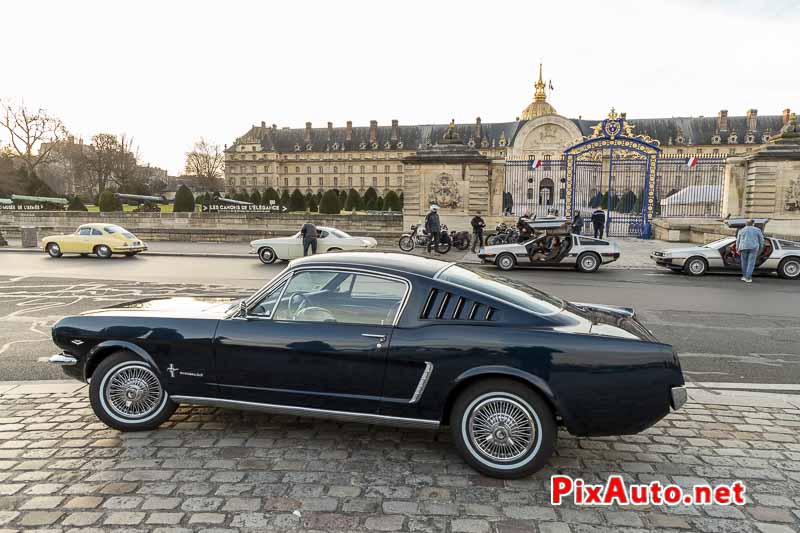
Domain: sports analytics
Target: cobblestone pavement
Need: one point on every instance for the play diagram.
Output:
(219, 470)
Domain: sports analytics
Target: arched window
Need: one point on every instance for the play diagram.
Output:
(361, 169)
(335, 169)
(308, 170)
(297, 169)
(350, 181)
(546, 192)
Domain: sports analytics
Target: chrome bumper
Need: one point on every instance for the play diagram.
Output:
(678, 397)
(62, 360)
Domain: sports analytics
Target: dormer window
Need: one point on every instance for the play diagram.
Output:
(679, 139)
(309, 147)
(296, 147)
(335, 146)
(374, 146)
(750, 138)
(399, 145)
(362, 146)
(716, 139)
(765, 138)
(387, 145)
(732, 138)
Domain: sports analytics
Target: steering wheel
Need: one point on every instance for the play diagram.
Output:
(314, 314)
(296, 302)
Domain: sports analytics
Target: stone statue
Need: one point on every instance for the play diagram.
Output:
(451, 136)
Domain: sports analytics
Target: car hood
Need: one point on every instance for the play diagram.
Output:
(175, 307)
(274, 240)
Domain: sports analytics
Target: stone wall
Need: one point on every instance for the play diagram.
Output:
(209, 227)
(702, 231)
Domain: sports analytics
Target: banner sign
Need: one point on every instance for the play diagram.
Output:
(215, 208)
(23, 207)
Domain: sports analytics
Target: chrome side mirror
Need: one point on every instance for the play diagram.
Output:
(243, 309)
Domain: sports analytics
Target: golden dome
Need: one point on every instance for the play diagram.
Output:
(539, 106)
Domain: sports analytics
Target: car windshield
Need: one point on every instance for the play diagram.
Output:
(718, 243)
(339, 234)
(504, 289)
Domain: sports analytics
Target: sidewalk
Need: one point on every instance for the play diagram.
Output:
(212, 469)
(635, 253)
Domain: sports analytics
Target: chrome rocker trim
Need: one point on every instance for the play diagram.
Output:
(343, 416)
(62, 360)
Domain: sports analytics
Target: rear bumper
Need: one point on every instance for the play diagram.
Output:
(610, 257)
(129, 249)
(678, 397)
(667, 261)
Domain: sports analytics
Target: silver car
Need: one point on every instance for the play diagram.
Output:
(778, 255)
(557, 246)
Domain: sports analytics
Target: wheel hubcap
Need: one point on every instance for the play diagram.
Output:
(502, 429)
(267, 255)
(792, 269)
(133, 392)
(588, 263)
(696, 267)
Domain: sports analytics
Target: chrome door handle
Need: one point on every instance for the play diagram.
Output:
(378, 336)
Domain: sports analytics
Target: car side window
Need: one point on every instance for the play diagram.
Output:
(85, 231)
(96, 232)
(263, 309)
(344, 298)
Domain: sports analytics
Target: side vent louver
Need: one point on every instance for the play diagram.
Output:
(444, 305)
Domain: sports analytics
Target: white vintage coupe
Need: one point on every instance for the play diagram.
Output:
(328, 240)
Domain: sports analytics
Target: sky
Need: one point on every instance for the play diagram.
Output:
(169, 72)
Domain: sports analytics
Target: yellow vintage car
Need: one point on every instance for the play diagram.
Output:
(102, 240)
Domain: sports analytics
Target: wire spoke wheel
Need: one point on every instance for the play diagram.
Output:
(501, 429)
(133, 391)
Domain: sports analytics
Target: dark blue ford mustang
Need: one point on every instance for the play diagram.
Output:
(387, 339)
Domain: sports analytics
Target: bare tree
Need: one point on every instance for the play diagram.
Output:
(30, 130)
(205, 162)
(112, 160)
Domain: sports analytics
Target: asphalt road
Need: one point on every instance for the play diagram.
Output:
(724, 330)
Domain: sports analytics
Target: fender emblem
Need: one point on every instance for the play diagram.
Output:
(76, 342)
(171, 369)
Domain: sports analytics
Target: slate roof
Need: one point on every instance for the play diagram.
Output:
(695, 130)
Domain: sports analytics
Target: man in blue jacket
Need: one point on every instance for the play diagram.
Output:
(749, 243)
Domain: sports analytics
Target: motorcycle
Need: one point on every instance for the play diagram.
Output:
(501, 235)
(460, 239)
(419, 237)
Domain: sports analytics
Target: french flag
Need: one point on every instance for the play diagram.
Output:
(692, 162)
(536, 163)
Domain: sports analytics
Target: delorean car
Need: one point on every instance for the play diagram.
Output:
(553, 246)
(778, 255)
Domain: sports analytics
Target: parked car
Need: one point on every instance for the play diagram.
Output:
(386, 339)
(554, 246)
(328, 240)
(102, 240)
(778, 255)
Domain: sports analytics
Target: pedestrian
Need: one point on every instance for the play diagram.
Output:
(577, 223)
(433, 227)
(477, 224)
(749, 243)
(309, 235)
(599, 222)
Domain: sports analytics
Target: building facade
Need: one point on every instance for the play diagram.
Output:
(316, 159)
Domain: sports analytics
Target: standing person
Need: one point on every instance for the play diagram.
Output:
(577, 223)
(749, 242)
(599, 222)
(477, 224)
(433, 227)
(309, 235)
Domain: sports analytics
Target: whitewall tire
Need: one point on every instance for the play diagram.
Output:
(267, 255)
(127, 394)
(503, 428)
